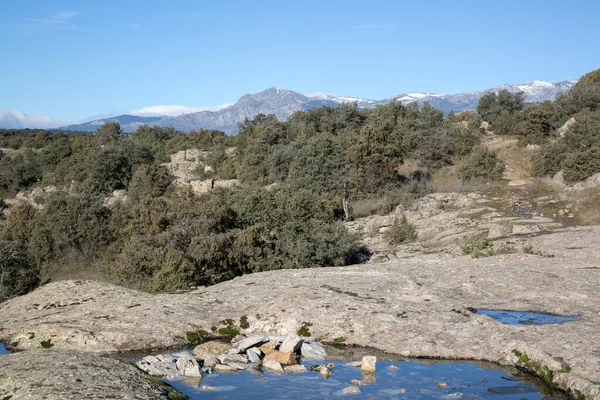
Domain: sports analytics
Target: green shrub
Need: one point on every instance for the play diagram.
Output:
(304, 330)
(222, 164)
(549, 159)
(152, 264)
(584, 133)
(584, 95)
(481, 165)
(508, 124)
(477, 246)
(150, 180)
(581, 165)
(17, 275)
(400, 232)
(20, 223)
(19, 171)
(464, 138)
(229, 331)
(196, 336)
(319, 165)
(503, 111)
(540, 121)
(435, 149)
(73, 225)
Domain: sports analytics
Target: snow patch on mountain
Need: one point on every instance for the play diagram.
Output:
(173, 110)
(284, 102)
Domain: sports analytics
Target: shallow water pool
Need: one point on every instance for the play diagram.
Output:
(525, 317)
(3, 349)
(404, 380)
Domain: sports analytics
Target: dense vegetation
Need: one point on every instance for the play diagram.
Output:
(299, 180)
(574, 149)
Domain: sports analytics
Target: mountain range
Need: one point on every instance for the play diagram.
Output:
(284, 102)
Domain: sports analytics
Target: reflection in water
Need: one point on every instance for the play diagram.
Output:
(369, 378)
(405, 380)
(525, 317)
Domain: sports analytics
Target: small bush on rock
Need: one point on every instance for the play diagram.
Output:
(477, 247)
(400, 232)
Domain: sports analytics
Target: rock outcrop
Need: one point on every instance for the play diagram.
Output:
(59, 374)
(446, 219)
(184, 164)
(419, 305)
(564, 130)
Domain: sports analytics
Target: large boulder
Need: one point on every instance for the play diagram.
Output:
(214, 347)
(59, 374)
(160, 365)
(188, 366)
(564, 129)
(251, 341)
(368, 364)
(292, 342)
(272, 365)
(282, 358)
(183, 164)
(313, 351)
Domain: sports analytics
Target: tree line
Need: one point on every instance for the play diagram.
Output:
(300, 179)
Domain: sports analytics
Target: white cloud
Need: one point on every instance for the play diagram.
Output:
(56, 22)
(366, 27)
(61, 16)
(17, 119)
(173, 110)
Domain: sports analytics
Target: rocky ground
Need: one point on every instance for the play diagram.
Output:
(417, 305)
(416, 300)
(60, 374)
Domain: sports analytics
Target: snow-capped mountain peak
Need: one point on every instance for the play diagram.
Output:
(284, 102)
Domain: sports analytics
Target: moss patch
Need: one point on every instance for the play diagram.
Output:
(340, 339)
(169, 391)
(304, 331)
(196, 336)
(229, 331)
(538, 369)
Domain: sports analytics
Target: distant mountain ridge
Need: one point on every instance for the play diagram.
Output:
(284, 102)
(129, 123)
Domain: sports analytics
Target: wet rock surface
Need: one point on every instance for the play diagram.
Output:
(418, 305)
(60, 374)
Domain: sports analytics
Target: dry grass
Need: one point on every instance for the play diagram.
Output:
(445, 180)
(516, 156)
(73, 266)
(408, 167)
(379, 204)
(385, 203)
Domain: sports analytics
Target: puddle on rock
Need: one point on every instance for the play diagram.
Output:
(3, 349)
(395, 378)
(525, 317)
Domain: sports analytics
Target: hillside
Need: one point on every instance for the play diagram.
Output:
(283, 103)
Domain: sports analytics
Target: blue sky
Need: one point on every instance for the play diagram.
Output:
(81, 58)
